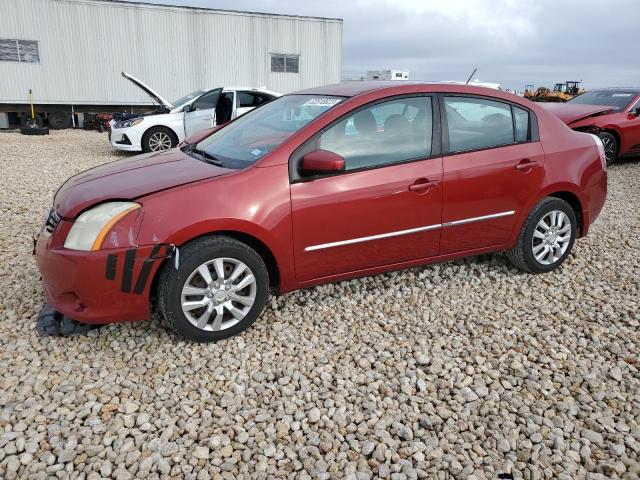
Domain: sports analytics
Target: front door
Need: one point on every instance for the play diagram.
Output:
(202, 114)
(385, 208)
(494, 167)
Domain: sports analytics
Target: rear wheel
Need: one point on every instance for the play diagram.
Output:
(157, 139)
(610, 143)
(31, 122)
(546, 238)
(219, 289)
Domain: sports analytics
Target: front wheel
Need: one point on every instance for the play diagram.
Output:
(219, 289)
(610, 143)
(546, 238)
(157, 139)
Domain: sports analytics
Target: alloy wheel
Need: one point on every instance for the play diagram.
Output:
(551, 237)
(159, 141)
(218, 294)
(609, 149)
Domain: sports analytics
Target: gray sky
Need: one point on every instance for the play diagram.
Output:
(512, 42)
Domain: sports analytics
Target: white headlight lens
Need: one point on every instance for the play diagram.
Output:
(603, 155)
(91, 225)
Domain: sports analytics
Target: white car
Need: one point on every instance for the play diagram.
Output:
(187, 115)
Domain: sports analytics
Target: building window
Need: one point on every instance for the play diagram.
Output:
(25, 51)
(286, 63)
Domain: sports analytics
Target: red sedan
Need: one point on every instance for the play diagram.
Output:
(613, 114)
(317, 186)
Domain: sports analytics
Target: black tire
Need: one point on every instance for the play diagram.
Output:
(522, 255)
(149, 135)
(34, 130)
(194, 255)
(611, 146)
(27, 121)
(59, 120)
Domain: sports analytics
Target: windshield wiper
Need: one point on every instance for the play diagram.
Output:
(205, 155)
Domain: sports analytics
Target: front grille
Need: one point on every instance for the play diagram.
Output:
(53, 219)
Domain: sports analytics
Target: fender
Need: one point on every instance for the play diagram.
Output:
(549, 190)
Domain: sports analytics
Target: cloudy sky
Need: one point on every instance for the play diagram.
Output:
(512, 42)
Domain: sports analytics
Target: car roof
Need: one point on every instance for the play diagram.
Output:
(398, 87)
(355, 87)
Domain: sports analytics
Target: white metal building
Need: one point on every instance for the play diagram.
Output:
(72, 51)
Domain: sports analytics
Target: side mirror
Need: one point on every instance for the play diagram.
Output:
(187, 108)
(319, 162)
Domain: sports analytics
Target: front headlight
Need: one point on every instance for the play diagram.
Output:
(128, 123)
(90, 228)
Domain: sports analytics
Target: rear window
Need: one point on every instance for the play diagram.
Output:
(618, 99)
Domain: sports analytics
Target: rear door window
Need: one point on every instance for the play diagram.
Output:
(476, 123)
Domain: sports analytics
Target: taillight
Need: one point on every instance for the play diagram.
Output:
(603, 156)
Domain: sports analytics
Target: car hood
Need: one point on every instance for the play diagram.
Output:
(131, 178)
(569, 113)
(155, 96)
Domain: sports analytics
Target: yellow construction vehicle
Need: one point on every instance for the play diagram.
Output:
(562, 92)
(529, 91)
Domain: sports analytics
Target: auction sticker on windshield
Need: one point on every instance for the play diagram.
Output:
(322, 102)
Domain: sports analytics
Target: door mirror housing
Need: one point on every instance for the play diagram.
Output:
(187, 108)
(320, 162)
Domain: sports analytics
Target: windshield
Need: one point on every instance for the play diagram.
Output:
(258, 132)
(614, 98)
(182, 100)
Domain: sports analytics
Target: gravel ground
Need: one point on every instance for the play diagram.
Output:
(462, 370)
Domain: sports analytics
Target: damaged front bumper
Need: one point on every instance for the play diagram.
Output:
(103, 286)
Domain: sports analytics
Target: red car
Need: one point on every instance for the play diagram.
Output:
(317, 186)
(613, 114)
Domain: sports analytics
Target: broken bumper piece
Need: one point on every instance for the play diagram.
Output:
(53, 323)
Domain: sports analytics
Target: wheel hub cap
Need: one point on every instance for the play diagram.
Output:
(218, 294)
(551, 237)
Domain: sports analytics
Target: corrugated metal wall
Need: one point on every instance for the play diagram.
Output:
(85, 44)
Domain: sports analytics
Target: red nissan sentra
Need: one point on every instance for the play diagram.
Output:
(321, 185)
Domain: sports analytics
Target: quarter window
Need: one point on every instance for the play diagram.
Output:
(521, 117)
(285, 63)
(388, 132)
(475, 123)
(24, 51)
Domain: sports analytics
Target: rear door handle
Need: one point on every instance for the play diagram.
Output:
(526, 164)
(423, 184)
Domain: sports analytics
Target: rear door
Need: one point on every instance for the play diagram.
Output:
(493, 165)
(385, 208)
(202, 114)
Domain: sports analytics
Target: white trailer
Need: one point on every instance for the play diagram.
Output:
(71, 53)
